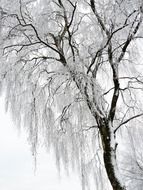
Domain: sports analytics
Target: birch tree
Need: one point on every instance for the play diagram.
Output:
(72, 73)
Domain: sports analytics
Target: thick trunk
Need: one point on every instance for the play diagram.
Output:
(109, 157)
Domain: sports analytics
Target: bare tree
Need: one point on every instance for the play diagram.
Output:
(72, 73)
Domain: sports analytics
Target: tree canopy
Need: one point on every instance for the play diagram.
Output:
(72, 72)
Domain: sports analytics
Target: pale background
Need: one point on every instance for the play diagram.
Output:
(17, 163)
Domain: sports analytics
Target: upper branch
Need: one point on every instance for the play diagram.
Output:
(24, 25)
(93, 7)
(115, 96)
(131, 35)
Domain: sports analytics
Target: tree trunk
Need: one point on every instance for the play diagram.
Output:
(106, 137)
(109, 156)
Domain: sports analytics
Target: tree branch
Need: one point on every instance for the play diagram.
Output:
(126, 121)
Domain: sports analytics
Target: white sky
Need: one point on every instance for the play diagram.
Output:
(17, 165)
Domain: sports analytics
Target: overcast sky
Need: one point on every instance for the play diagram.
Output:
(17, 165)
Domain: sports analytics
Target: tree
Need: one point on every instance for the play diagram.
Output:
(71, 72)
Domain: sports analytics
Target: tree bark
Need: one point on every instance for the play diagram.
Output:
(109, 156)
